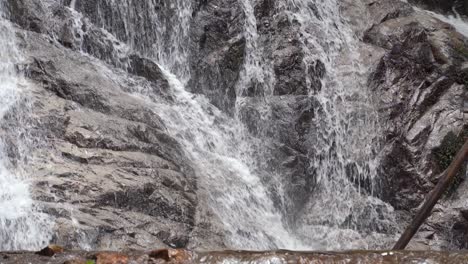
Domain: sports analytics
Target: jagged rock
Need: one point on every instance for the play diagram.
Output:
(413, 134)
(102, 147)
(419, 92)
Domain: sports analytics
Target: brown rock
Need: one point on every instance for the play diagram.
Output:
(75, 261)
(50, 250)
(111, 258)
(172, 255)
(160, 254)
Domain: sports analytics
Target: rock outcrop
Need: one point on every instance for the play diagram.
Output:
(421, 83)
(107, 169)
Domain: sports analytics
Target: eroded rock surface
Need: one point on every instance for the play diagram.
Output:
(108, 170)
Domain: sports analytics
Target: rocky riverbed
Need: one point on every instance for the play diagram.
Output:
(173, 256)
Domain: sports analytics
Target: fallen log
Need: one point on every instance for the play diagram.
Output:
(433, 197)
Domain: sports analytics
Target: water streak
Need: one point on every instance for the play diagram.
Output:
(21, 225)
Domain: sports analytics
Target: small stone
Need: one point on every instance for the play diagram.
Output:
(179, 255)
(50, 250)
(160, 254)
(75, 261)
(111, 258)
(174, 255)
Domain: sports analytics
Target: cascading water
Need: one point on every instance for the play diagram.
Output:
(457, 21)
(344, 154)
(21, 225)
(226, 156)
(219, 146)
(346, 141)
(345, 150)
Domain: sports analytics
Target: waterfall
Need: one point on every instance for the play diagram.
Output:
(346, 143)
(220, 149)
(347, 140)
(73, 4)
(460, 24)
(341, 212)
(22, 227)
(345, 153)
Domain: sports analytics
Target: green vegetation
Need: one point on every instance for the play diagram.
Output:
(462, 50)
(445, 154)
(90, 262)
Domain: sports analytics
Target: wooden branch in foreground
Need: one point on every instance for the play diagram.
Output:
(433, 197)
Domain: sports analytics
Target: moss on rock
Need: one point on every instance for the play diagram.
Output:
(446, 152)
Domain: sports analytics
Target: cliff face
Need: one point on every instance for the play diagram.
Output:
(111, 162)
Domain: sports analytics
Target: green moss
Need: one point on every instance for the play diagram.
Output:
(445, 154)
(461, 49)
(90, 262)
(448, 149)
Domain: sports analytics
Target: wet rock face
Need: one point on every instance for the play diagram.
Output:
(218, 55)
(421, 89)
(105, 169)
(421, 96)
(217, 51)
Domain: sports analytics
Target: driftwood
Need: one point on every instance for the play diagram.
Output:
(433, 197)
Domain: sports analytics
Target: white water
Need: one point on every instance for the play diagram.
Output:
(348, 135)
(456, 21)
(235, 193)
(21, 226)
(340, 216)
(222, 149)
(219, 147)
(73, 4)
